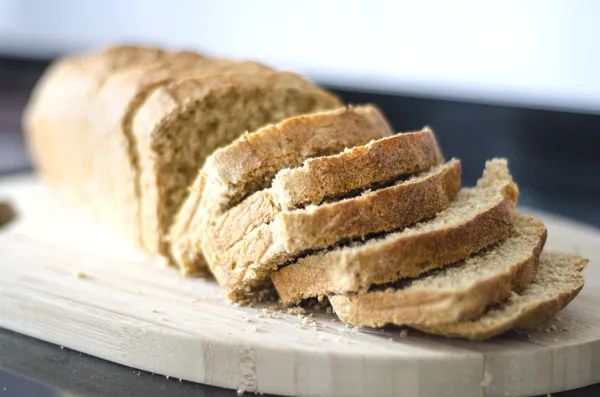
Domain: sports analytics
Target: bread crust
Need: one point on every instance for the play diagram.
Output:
(432, 304)
(357, 167)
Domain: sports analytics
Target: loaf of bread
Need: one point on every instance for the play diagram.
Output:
(320, 200)
(125, 130)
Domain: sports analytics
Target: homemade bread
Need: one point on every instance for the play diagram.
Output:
(263, 242)
(476, 218)
(125, 131)
(251, 161)
(455, 293)
(557, 283)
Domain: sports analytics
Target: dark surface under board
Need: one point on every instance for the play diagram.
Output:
(553, 156)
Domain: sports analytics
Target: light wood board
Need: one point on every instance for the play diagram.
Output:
(68, 281)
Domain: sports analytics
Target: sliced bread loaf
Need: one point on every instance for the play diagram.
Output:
(126, 130)
(243, 250)
(251, 161)
(455, 293)
(557, 283)
(259, 223)
(477, 218)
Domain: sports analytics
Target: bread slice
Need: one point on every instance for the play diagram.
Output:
(357, 167)
(557, 283)
(477, 218)
(242, 250)
(455, 293)
(125, 130)
(252, 160)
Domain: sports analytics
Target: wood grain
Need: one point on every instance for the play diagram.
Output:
(68, 281)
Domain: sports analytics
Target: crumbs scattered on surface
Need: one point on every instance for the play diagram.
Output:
(253, 328)
(565, 329)
(266, 313)
(164, 319)
(154, 311)
(404, 333)
(297, 310)
(240, 392)
(349, 329)
(78, 274)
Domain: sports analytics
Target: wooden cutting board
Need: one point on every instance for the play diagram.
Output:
(68, 281)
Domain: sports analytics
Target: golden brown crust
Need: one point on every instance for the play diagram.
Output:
(538, 303)
(357, 167)
(432, 302)
(408, 253)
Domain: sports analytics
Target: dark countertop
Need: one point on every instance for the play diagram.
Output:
(554, 154)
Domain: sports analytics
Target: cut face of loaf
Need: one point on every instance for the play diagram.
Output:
(199, 115)
(251, 161)
(124, 131)
(476, 218)
(557, 283)
(250, 240)
(455, 293)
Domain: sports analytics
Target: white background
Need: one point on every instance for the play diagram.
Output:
(541, 53)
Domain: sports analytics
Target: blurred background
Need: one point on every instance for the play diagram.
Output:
(519, 79)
